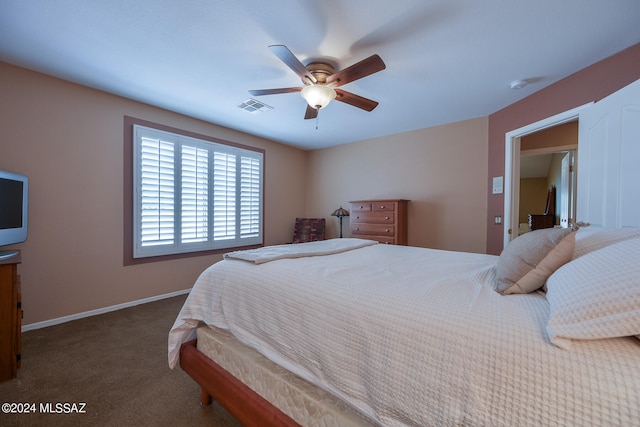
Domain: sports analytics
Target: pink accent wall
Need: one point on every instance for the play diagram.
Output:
(590, 84)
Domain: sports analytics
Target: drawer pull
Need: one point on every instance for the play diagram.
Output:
(357, 228)
(382, 207)
(386, 217)
(386, 231)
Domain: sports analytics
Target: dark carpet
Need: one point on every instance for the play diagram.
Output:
(111, 366)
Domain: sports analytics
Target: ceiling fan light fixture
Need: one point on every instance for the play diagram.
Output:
(318, 96)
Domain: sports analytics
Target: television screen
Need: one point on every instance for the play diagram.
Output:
(10, 203)
(14, 194)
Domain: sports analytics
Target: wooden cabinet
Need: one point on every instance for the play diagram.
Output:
(536, 222)
(10, 318)
(381, 220)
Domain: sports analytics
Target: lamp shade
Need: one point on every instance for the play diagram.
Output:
(318, 96)
(340, 212)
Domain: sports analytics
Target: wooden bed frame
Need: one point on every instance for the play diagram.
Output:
(251, 409)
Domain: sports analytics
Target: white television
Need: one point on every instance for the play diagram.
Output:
(14, 202)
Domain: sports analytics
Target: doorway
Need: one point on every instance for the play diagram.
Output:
(543, 169)
(513, 142)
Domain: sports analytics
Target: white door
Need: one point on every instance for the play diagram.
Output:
(567, 190)
(609, 160)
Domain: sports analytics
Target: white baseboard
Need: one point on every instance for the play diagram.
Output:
(103, 310)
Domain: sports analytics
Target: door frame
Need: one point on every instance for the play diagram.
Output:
(512, 164)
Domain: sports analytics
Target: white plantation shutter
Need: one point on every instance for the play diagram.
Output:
(193, 195)
(224, 196)
(250, 196)
(157, 192)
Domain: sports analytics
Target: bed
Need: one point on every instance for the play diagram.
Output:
(351, 332)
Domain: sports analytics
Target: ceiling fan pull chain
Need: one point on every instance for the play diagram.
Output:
(318, 115)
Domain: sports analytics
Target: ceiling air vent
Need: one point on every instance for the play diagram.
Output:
(253, 106)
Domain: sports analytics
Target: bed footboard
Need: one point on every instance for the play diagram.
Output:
(246, 405)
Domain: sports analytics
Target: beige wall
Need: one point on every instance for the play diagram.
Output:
(68, 139)
(442, 170)
(533, 197)
(562, 135)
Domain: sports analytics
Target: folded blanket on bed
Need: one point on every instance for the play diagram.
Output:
(299, 250)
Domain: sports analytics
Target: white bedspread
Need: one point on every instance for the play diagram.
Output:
(413, 336)
(323, 247)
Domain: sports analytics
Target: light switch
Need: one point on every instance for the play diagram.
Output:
(497, 184)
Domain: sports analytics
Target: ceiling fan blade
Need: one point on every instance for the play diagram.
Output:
(311, 113)
(260, 92)
(364, 68)
(286, 56)
(355, 100)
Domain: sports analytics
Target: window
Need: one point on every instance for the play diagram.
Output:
(190, 194)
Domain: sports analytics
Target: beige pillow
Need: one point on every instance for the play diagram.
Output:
(526, 263)
(596, 296)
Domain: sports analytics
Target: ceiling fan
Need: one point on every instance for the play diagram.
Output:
(321, 80)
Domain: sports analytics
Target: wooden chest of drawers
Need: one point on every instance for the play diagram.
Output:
(10, 318)
(381, 220)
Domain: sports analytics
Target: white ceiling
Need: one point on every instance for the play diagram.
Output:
(447, 60)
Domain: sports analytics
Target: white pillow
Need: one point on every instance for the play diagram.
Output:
(528, 260)
(596, 296)
(589, 239)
